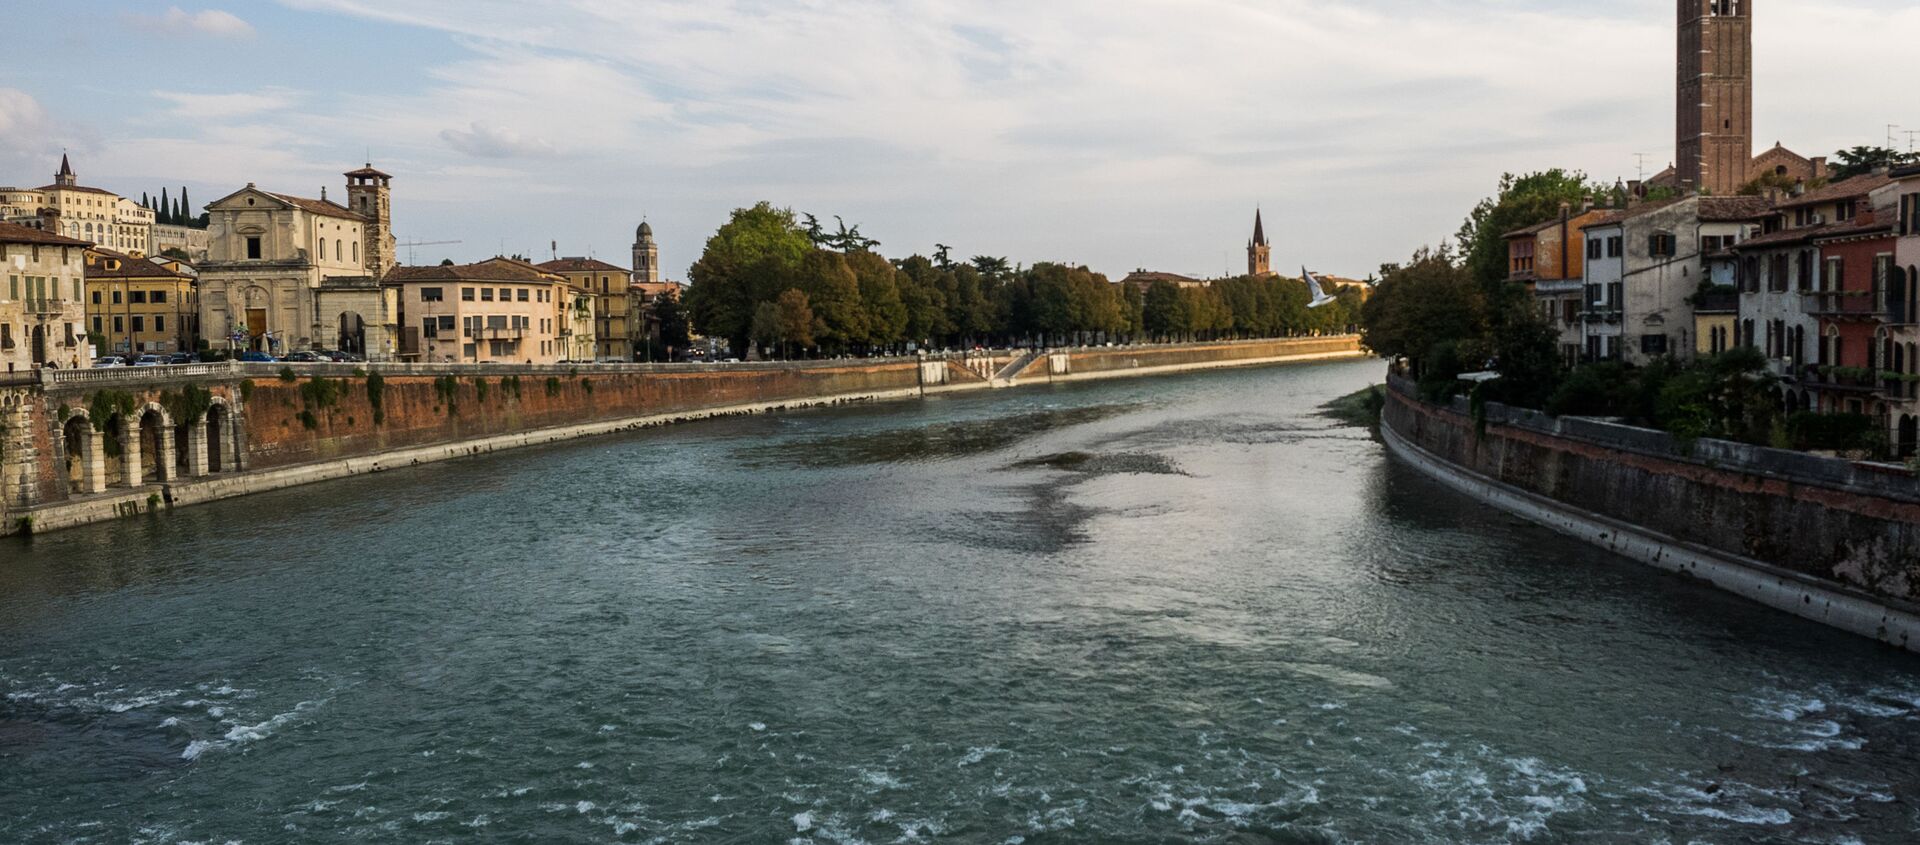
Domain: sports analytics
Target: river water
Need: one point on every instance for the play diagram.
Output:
(1162, 610)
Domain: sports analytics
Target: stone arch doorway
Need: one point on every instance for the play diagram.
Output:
(156, 448)
(79, 439)
(217, 438)
(38, 343)
(352, 336)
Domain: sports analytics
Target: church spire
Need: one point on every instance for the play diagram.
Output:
(65, 176)
(1259, 230)
(1259, 253)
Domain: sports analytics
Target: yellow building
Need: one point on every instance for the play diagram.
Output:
(41, 315)
(608, 286)
(135, 305)
(91, 214)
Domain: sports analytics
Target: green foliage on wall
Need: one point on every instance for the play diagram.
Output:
(479, 389)
(511, 385)
(586, 384)
(189, 406)
(286, 374)
(447, 388)
(246, 389)
(376, 397)
(553, 386)
(102, 406)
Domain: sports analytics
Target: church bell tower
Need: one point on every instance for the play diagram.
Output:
(1714, 126)
(370, 195)
(1259, 252)
(646, 256)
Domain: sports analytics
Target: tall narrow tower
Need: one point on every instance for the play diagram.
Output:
(65, 177)
(1714, 130)
(646, 256)
(370, 195)
(1259, 253)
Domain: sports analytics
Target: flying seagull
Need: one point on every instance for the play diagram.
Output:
(1320, 296)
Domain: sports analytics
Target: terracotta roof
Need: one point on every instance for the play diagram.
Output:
(1147, 277)
(1625, 214)
(130, 267)
(368, 171)
(81, 188)
(1784, 237)
(15, 234)
(1734, 209)
(324, 208)
(580, 265)
(490, 270)
(1858, 186)
(1534, 229)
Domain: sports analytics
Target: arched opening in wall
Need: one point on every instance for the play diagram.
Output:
(1909, 437)
(216, 438)
(113, 443)
(151, 455)
(78, 434)
(38, 344)
(1792, 402)
(353, 334)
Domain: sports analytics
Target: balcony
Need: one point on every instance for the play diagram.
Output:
(1600, 314)
(1846, 304)
(1859, 380)
(1717, 303)
(503, 332)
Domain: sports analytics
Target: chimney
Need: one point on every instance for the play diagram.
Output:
(1633, 188)
(1819, 167)
(1586, 203)
(1566, 210)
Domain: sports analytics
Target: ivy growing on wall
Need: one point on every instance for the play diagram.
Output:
(377, 396)
(448, 389)
(553, 386)
(479, 390)
(189, 406)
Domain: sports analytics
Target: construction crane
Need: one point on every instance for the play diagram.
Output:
(411, 244)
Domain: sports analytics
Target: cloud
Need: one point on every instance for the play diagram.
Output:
(485, 141)
(210, 22)
(224, 106)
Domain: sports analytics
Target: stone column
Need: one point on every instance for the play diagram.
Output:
(197, 449)
(130, 452)
(93, 471)
(164, 466)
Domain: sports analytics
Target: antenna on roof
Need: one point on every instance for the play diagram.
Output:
(1640, 165)
(1911, 134)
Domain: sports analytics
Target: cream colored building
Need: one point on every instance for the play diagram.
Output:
(187, 239)
(286, 273)
(66, 207)
(42, 310)
(608, 286)
(501, 310)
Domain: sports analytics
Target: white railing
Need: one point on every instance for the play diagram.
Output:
(122, 375)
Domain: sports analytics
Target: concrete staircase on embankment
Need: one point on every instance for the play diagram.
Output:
(1009, 373)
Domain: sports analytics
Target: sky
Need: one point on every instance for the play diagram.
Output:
(1125, 135)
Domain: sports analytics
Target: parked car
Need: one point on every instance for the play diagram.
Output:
(183, 358)
(346, 357)
(149, 361)
(108, 361)
(257, 357)
(306, 357)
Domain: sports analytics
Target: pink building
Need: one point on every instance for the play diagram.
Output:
(500, 310)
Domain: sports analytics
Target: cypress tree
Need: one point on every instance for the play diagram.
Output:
(186, 208)
(143, 200)
(180, 212)
(166, 208)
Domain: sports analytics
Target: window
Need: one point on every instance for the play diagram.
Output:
(432, 294)
(139, 323)
(96, 297)
(116, 297)
(496, 322)
(1662, 245)
(356, 252)
(1653, 344)
(1836, 275)
(137, 297)
(506, 294)
(470, 351)
(466, 294)
(159, 323)
(96, 325)
(253, 247)
(468, 326)
(158, 297)
(486, 294)
(119, 324)
(339, 253)
(430, 327)
(1613, 246)
(1843, 211)
(446, 324)
(524, 292)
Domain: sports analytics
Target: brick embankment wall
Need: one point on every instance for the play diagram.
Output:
(1808, 528)
(1202, 355)
(286, 426)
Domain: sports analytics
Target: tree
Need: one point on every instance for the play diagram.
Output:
(186, 208)
(672, 319)
(1429, 311)
(1164, 312)
(991, 268)
(752, 257)
(794, 321)
(165, 215)
(1863, 159)
(880, 298)
(940, 256)
(833, 292)
(1521, 202)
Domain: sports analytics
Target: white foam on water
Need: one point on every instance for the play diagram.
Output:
(583, 807)
(758, 726)
(803, 821)
(976, 754)
(880, 779)
(195, 749)
(583, 765)
(431, 816)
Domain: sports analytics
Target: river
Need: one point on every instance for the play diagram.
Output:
(1176, 609)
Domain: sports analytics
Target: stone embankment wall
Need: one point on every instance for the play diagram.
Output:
(1829, 539)
(81, 446)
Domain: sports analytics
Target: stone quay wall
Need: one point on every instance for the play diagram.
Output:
(79, 446)
(1828, 539)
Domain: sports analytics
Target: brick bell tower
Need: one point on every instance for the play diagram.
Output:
(1259, 252)
(1714, 137)
(370, 195)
